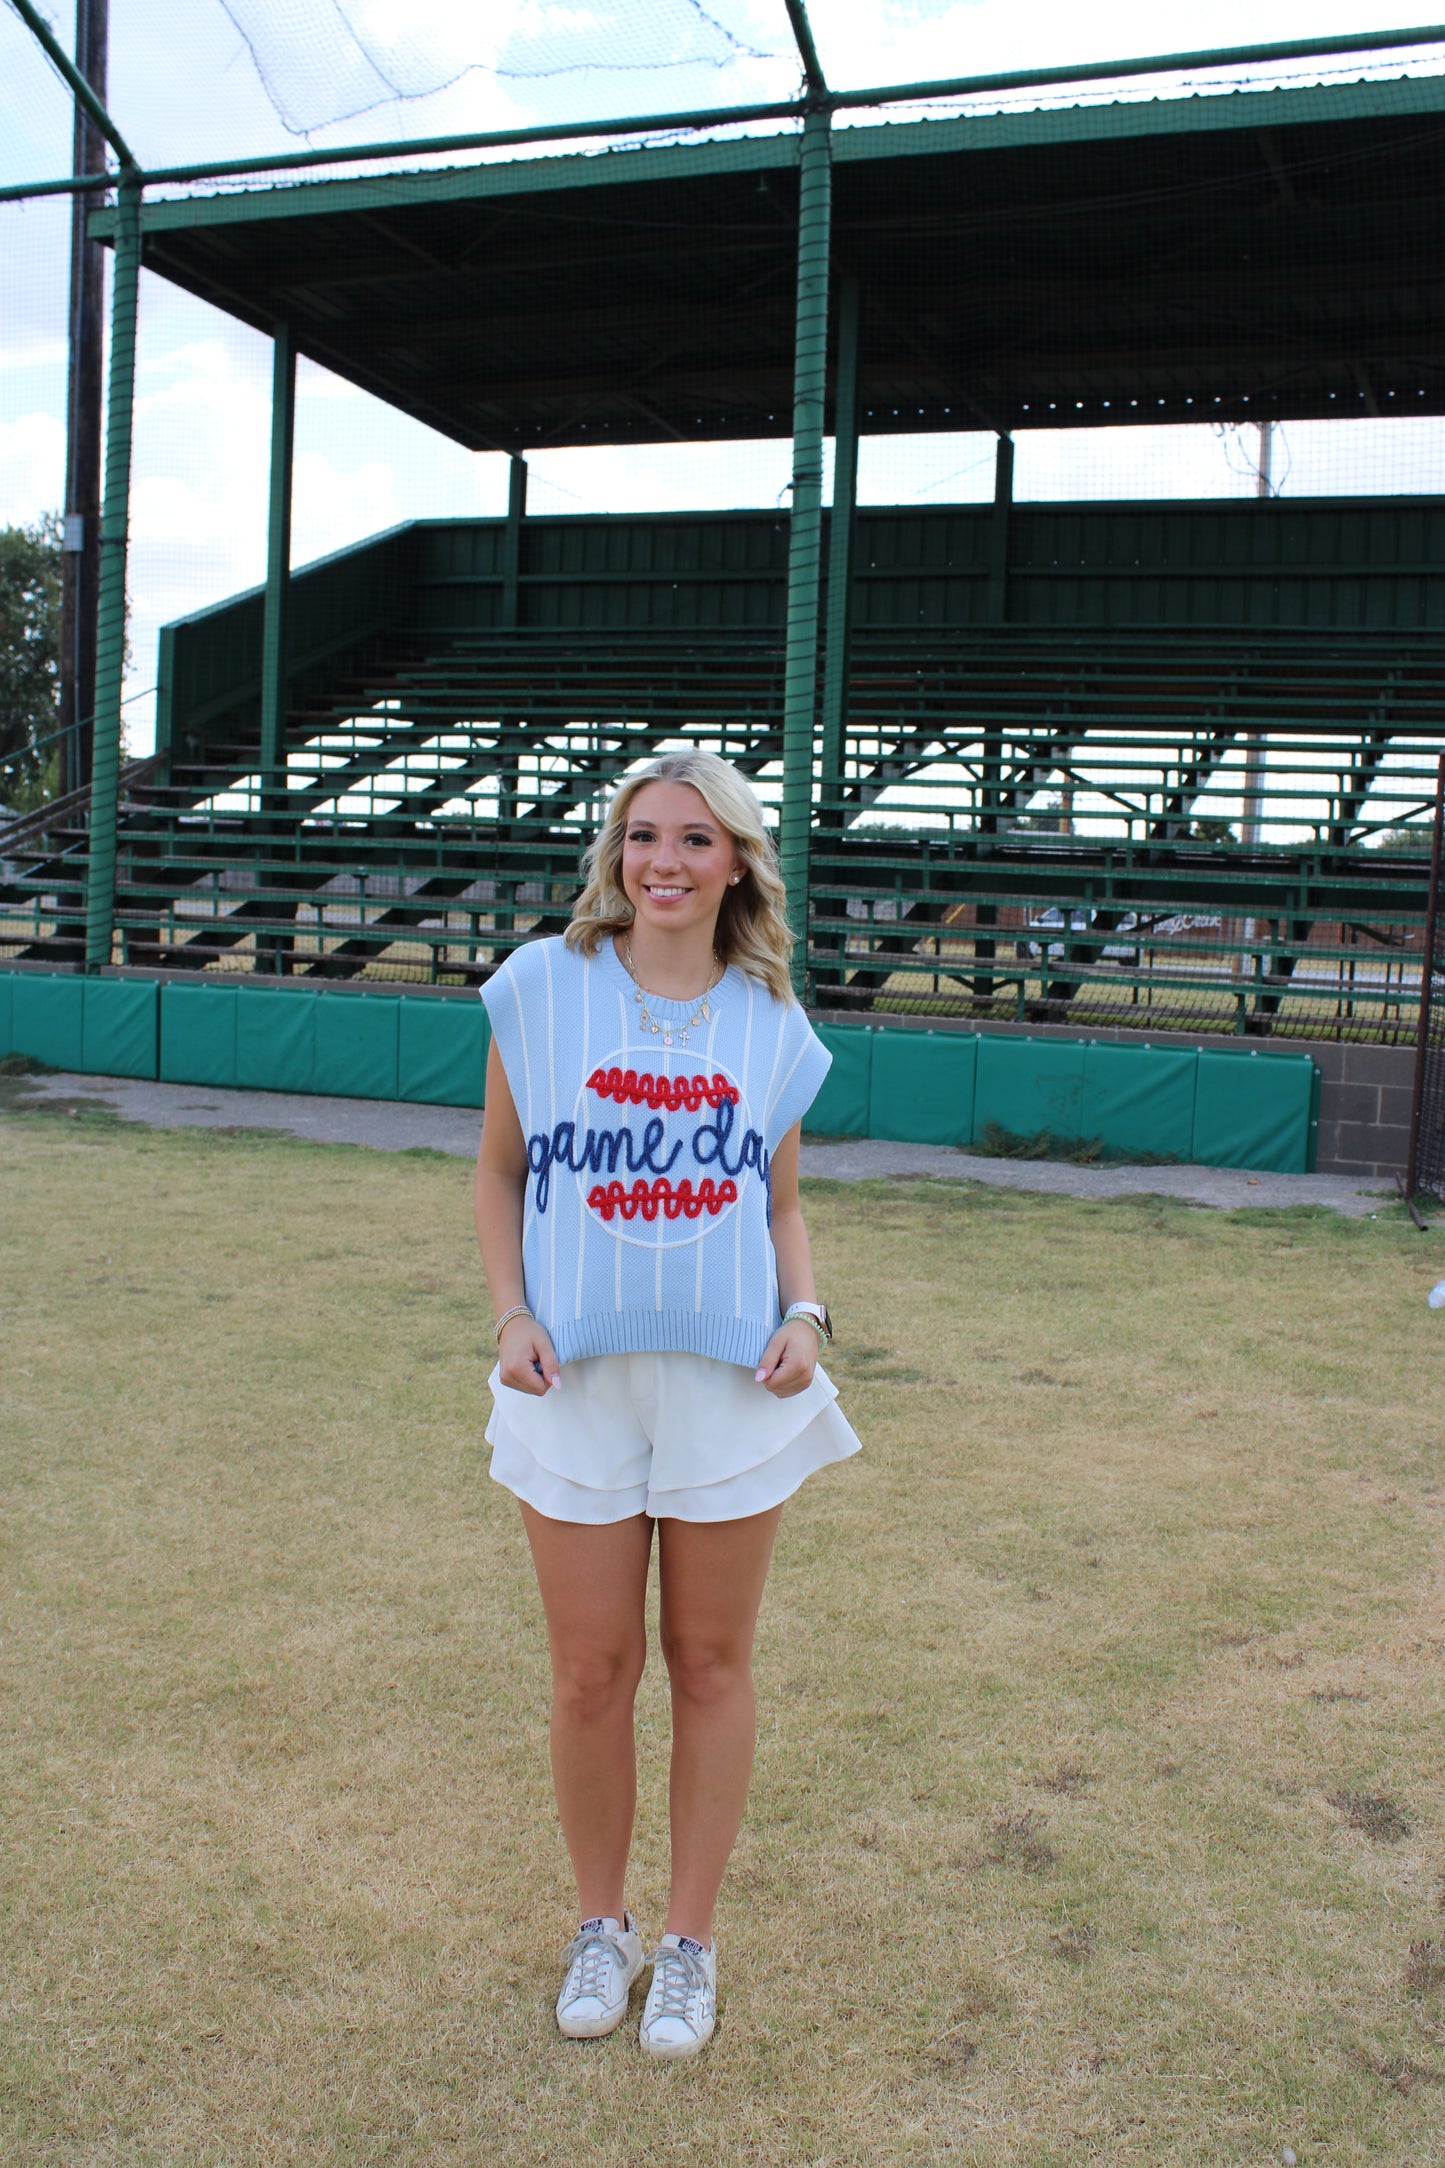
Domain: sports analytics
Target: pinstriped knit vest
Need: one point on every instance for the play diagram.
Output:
(648, 1202)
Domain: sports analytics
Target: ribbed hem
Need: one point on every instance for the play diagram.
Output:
(659, 1332)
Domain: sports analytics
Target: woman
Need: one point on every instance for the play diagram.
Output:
(658, 1336)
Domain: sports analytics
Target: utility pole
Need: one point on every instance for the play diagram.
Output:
(80, 562)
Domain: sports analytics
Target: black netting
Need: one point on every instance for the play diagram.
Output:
(322, 61)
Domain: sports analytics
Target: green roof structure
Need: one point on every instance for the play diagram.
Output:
(1250, 256)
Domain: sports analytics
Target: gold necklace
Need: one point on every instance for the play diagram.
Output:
(670, 1033)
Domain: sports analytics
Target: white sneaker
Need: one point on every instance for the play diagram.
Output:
(604, 1957)
(682, 1999)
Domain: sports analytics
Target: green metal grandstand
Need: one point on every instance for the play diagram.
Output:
(997, 737)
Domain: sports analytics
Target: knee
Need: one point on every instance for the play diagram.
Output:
(592, 1684)
(705, 1672)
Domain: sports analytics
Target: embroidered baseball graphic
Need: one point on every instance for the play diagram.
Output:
(660, 1155)
(660, 1196)
(672, 1092)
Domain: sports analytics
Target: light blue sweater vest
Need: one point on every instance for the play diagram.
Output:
(646, 1221)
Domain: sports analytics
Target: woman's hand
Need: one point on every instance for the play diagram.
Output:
(789, 1360)
(527, 1358)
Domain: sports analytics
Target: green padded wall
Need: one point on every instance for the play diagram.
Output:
(1225, 1109)
(198, 1034)
(921, 1086)
(275, 1040)
(1255, 1110)
(46, 1018)
(1026, 1085)
(442, 1053)
(5, 1046)
(356, 1046)
(1140, 1098)
(121, 1027)
(842, 1107)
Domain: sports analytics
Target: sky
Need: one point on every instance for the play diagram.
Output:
(186, 85)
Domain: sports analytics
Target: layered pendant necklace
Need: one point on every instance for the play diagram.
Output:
(672, 1034)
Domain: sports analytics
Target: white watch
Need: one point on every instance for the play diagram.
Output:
(816, 1313)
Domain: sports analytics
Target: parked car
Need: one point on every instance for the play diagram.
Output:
(1076, 921)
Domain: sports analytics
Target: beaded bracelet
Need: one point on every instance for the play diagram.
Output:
(518, 1309)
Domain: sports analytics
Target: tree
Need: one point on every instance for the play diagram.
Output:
(29, 660)
(1414, 837)
(1045, 819)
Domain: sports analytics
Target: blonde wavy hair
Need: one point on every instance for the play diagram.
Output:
(752, 925)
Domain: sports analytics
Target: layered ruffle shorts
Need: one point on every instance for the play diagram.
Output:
(675, 1435)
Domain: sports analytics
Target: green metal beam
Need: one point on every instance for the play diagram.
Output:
(492, 139)
(1091, 71)
(61, 60)
(110, 631)
(810, 367)
(1397, 100)
(842, 527)
(1141, 119)
(274, 644)
(76, 184)
(1223, 57)
(807, 51)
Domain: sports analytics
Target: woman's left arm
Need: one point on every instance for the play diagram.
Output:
(791, 1356)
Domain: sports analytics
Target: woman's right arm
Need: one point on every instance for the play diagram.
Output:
(525, 1352)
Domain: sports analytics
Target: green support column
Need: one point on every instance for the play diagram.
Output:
(985, 946)
(810, 359)
(273, 950)
(512, 540)
(504, 917)
(110, 629)
(842, 527)
(1003, 500)
(274, 697)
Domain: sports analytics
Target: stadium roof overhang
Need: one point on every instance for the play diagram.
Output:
(1251, 256)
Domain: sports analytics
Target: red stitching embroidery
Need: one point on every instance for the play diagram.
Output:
(672, 1092)
(682, 1202)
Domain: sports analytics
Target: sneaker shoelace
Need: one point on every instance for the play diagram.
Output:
(590, 1958)
(677, 1976)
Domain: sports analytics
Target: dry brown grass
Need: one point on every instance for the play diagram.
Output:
(1059, 1682)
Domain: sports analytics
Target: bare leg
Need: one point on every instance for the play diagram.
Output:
(713, 1574)
(594, 1583)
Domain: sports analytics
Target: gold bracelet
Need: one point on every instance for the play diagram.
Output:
(518, 1309)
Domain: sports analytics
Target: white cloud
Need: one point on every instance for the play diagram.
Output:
(331, 506)
(35, 353)
(32, 468)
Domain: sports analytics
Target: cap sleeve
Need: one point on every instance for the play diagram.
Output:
(513, 997)
(803, 1063)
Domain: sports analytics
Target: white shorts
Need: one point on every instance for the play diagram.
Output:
(675, 1435)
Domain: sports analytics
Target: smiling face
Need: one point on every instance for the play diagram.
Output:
(677, 859)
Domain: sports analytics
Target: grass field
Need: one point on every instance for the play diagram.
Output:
(1098, 1813)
